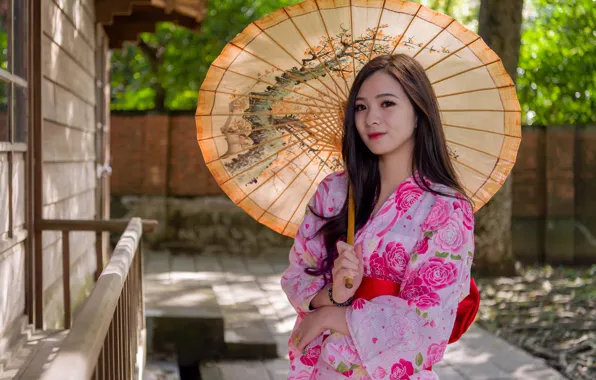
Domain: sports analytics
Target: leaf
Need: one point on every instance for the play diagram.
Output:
(414, 258)
(455, 257)
(428, 233)
(342, 367)
(419, 359)
(442, 254)
(416, 370)
(425, 315)
(418, 311)
(470, 254)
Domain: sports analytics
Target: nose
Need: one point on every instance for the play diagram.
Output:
(372, 117)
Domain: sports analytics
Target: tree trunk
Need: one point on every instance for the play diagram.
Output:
(500, 27)
(155, 57)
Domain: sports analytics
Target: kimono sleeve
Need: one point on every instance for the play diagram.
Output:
(307, 251)
(406, 335)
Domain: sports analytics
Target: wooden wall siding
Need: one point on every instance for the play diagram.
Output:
(80, 13)
(81, 283)
(69, 119)
(79, 114)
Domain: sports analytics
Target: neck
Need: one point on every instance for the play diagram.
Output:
(396, 166)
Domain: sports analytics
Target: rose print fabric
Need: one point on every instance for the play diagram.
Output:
(420, 240)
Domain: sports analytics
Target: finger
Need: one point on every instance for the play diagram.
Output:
(351, 256)
(342, 246)
(359, 252)
(302, 346)
(343, 273)
(347, 264)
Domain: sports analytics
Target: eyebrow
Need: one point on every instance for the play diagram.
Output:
(380, 96)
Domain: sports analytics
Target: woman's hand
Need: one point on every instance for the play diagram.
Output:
(311, 326)
(347, 264)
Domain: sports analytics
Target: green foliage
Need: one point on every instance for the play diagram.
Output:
(556, 76)
(464, 11)
(186, 56)
(557, 69)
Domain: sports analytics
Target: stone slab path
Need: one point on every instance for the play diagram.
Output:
(251, 286)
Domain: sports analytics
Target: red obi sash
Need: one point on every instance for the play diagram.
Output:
(466, 311)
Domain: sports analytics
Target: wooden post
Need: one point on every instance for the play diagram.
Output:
(98, 254)
(66, 277)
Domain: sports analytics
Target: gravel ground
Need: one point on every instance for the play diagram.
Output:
(549, 312)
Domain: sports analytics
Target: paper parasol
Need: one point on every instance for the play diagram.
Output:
(270, 113)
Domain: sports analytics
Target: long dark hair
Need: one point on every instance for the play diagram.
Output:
(431, 157)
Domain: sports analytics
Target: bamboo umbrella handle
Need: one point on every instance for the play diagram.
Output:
(349, 281)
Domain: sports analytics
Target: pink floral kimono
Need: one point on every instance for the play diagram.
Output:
(421, 241)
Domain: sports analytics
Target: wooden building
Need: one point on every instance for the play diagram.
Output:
(54, 178)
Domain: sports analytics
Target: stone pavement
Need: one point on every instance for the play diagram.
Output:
(252, 285)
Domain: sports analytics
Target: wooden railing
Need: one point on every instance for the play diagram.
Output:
(97, 226)
(106, 338)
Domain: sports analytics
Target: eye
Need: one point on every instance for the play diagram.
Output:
(359, 107)
(387, 103)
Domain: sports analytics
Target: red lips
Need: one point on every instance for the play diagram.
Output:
(374, 136)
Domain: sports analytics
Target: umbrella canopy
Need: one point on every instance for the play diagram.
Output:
(270, 113)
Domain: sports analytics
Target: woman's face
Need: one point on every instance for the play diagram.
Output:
(385, 117)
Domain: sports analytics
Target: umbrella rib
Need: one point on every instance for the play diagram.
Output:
(257, 163)
(292, 75)
(311, 49)
(323, 122)
(274, 173)
(285, 189)
(476, 90)
(319, 135)
(265, 114)
(479, 130)
(468, 189)
(451, 53)
(352, 34)
(277, 85)
(321, 138)
(372, 46)
(270, 126)
(326, 121)
(473, 169)
(333, 48)
(407, 27)
(298, 62)
(479, 151)
(266, 158)
(305, 193)
(280, 100)
(465, 71)
(251, 147)
(432, 39)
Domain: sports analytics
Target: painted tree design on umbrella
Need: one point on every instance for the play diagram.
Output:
(273, 125)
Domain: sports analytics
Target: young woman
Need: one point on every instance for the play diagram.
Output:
(413, 247)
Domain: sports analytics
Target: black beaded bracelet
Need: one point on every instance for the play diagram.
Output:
(347, 303)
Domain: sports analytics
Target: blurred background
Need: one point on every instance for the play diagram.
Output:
(536, 240)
